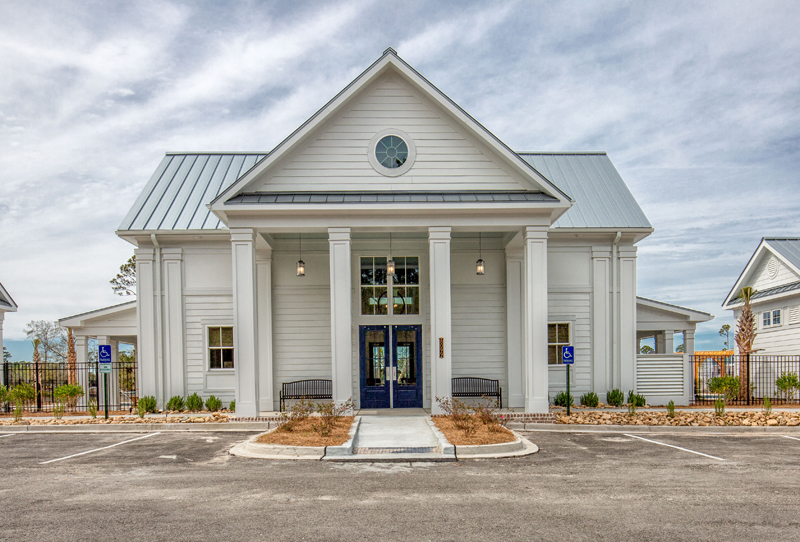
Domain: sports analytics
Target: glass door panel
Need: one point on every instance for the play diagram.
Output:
(375, 369)
(407, 366)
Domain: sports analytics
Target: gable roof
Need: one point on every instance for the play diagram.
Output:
(786, 249)
(7, 304)
(391, 61)
(690, 315)
(602, 199)
(79, 320)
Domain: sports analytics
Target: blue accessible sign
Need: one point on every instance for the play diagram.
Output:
(568, 355)
(104, 351)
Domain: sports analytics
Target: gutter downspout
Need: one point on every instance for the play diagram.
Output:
(615, 331)
(159, 324)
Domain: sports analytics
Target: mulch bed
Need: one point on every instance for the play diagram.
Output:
(303, 433)
(481, 436)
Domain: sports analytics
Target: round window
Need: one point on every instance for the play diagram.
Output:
(391, 152)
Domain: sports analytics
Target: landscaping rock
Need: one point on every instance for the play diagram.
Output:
(695, 419)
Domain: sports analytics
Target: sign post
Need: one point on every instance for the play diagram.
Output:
(568, 358)
(104, 351)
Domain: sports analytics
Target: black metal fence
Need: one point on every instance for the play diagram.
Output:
(758, 377)
(46, 377)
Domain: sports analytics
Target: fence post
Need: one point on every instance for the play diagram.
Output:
(38, 377)
(5, 382)
(749, 393)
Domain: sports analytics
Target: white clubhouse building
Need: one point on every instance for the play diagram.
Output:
(256, 269)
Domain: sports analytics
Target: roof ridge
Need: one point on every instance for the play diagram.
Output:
(568, 153)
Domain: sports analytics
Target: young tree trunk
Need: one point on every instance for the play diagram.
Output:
(72, 359)
(745, 335)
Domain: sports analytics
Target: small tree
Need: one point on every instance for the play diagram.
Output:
(6, 355)
(68, 393)
(19, 395)
(745, 336)
(787, 383)
(51, 337)
(725, 331)
(125, 281)
(37, 362)
(726, 386)
(647, 349)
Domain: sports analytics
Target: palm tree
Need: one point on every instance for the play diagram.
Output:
(72, 358)
(745, 336)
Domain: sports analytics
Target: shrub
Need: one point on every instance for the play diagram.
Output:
(194, 403)
(636, 398)
(727, 386)
(92, 406)
(671, 409)
(299, 411)
(69, 393)
(460, 414)
(213, 404)
(590, 399)
(562, 399)
(786, 383)
(232, 406)
(767, 406)
(329, 414)
(3, 394)
(487, 412)
(631, 408)
(615, 397)
(19, 395)
(141, 409)
(58, 409)
(719, 407)
(176, 403)
(148, 403)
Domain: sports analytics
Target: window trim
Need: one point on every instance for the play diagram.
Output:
(570, 326)
(208, 347)
(771, 315)
(393, 172)
(390, 286)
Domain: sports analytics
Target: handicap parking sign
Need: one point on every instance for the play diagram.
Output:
(104, 351)
(568, 355)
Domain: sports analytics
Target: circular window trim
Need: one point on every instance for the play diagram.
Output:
(383, 170)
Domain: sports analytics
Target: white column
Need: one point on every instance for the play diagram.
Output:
(441, 345)
(627, 317)
(174, 359)
(688, 352)
(245, 321)
(82, 358)
(149, 373)
(265, 374)
(660, 346)
(2, 375)
(514, 319)
(341, 314)
(535, 304)
(601, 318)
(669, 341)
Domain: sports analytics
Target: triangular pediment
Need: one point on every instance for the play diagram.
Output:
(449, 150)
(766, 271)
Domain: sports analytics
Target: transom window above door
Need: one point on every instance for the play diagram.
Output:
(376, 284)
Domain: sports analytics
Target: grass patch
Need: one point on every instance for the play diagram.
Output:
(483, 434)
(304, 432)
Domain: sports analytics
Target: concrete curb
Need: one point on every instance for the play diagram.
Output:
(254, 450)
(448, 450)
(141, 427)
(346, 448)
(518, 448)
(686, 430)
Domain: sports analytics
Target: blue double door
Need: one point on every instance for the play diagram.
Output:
(390, 366)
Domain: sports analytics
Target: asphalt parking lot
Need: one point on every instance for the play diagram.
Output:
(580, 486)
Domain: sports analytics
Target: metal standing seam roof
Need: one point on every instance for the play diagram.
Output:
(788, 247)
(392, 197)
(6, 302)
(176, 196)
(602, 199)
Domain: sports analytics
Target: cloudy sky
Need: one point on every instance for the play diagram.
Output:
(697, 104)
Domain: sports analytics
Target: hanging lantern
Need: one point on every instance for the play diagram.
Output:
(301, 265)
(390, 263)
(480, 269)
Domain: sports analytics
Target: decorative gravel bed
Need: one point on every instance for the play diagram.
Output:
(682, 418)
(482, 434)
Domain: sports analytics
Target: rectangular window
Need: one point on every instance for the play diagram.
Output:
(557, 336)
(767, 319)
(374, 289)
(220, 347)
(405, 292)
(771, 318)
(776, 317)
(376, 284)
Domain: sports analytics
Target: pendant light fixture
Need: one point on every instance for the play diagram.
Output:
(480, 269)
(301, 265)
(390, 263)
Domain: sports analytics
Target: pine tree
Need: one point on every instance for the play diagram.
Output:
(125, 281)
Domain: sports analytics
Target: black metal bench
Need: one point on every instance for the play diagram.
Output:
(470, 386)
(306, 389)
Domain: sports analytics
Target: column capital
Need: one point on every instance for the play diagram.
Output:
(627, 251)
(172, 253)
(243, 235)
(439, 232)
(601, 252)
(688, 334)
(146, 254)
(338, 234)
(515, 253)
(534, 232)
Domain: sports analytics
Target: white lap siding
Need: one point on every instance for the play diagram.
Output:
(301, 333)
(202, 310)
(575, 309)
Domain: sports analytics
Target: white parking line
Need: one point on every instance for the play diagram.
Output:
(793, 438)
(98, 449)
(676, 447)
(8, 435)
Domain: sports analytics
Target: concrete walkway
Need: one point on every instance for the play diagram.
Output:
(395, 434)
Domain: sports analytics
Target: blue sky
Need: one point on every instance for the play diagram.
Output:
(697, 104)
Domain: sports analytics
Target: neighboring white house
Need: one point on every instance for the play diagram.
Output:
(7, 304)
(774, 272)
(255, 269)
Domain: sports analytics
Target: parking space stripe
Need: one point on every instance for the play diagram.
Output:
(8, 435)
(98, 449)
(676, 447)
(793, 438)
